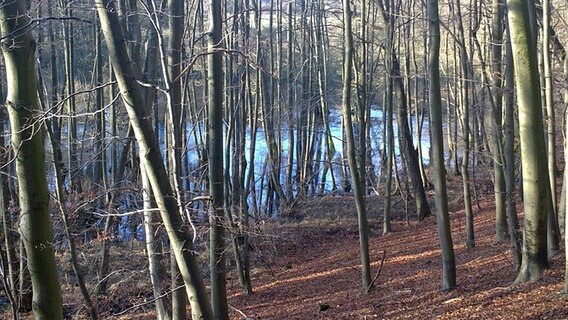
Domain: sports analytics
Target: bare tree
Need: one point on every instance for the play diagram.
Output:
(22, 103)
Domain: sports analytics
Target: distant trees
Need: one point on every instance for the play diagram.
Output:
(180, 240)
(236, 111)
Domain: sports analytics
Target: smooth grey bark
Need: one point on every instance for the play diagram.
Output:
(509, 157)
(290, 102)
(531, 131)
(496, 113)
(180, 238)
(437, 142)
(552, 230)
(388, 117)
(216, 167)
(22, 103)
(358, 190)
(549, 100)
(466, 132)
(171, 55)
(153, 250)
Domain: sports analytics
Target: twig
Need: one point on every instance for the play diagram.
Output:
(378, 272)
(239, 311)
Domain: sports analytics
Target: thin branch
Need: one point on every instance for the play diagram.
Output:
(378, 272)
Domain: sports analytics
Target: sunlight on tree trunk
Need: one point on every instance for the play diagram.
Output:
(534, 165)
(180, 239)
(23, 108)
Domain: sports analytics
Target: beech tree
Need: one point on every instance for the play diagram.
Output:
(216, 169)
(437, 141)
(22, 103)
(531, 130)
(358, 188)
(179, 236)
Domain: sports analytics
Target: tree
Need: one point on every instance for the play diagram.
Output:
(496, 115)
(216, 168)
(22, 103)
(531, 131)
(180, 239)
(509, 155)
(437, 142)
(565, 94)
(358, 189)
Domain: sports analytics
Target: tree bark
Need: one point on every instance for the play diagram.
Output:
(534, 166)
(358, 189)
(180, 238)
(23, 107)
(437, 143)
(216, 167)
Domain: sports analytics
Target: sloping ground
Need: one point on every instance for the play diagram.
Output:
(317, 265)
(310, 262)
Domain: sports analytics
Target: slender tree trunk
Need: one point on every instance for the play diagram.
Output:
(553, 237)
(357, 187)
(509, 157)
(463, 97)
(499, 182)
(435, 101)
(180, 238)
(388, 115)
(566, 161)
(215, 152)
(407, 146)
(153, 250)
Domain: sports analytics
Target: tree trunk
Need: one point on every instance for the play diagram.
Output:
(23, 108)
(154, 251)
(566, 161)
(216, 167)
(496, 136)
(180, 238)
(509, 157)
(534, 166)
(437, 143)
(351, 157)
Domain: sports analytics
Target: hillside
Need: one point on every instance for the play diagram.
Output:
(318, 260)
(306, 266)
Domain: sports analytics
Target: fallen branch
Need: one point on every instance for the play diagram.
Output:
(378, 272)
(239, 311)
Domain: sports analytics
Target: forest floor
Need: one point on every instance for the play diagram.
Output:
(318, 266)
(307, 266)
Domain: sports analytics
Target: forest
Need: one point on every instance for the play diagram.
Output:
(271, 159)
